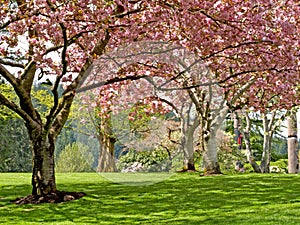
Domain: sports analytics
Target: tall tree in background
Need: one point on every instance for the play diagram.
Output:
(292, 140)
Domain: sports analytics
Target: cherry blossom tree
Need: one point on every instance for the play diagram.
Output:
(59, 40)
(156, 66)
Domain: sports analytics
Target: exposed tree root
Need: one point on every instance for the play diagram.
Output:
(56, 197)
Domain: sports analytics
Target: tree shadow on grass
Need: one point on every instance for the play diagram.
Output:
(184, 199)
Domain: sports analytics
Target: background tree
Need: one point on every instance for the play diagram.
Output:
(292, 140)
(263, 138)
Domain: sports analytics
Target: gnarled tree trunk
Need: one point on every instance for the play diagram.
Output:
(43, 175)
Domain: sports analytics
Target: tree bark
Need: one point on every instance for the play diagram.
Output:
(106, 162)
(209, 141)
(249, 153)
(189, 124)
(188, 150)
(293, 161)
(43, 174)
(210, 155)
(266, 155)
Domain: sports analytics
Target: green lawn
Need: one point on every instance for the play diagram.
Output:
(181, 199)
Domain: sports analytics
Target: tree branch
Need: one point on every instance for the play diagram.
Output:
(14, 107)
(11, 63)
(111, 81)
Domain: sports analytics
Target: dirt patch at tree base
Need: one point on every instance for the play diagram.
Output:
(186, 171)
(55, 197)
(206, 174)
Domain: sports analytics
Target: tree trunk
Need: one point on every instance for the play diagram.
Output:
(265, 159)
(293, 162)
(106, 162)
(190, 122)
(188, 151)
(208, 137)
(249, 152)
(210, 155)
(43, 174)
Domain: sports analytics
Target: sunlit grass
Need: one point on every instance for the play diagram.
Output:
(181, 199)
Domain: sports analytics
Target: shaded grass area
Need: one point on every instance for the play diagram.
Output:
(181, 199)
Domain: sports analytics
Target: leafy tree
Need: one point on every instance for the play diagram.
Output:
(15, 152)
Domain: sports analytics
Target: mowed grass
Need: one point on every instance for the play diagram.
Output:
(181, 199)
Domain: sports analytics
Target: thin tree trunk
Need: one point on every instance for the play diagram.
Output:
(265, 159)
(293, 161)
(189, 125)
(249, 152)
(269, 126)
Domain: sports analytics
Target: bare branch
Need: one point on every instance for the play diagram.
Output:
(236, 46)
(8, 76)
(111, 81)
(11, 63)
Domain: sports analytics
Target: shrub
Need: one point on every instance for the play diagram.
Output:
(282, 164)
(75, 157)
(147, 161)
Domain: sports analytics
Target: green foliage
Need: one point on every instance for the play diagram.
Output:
(279, 148)
(248, 168)
(78, 128)
(228, 152)
(282, 164)
(75, 158)
(15, 151)
(42, 100)
(155, 160)
(8, 92)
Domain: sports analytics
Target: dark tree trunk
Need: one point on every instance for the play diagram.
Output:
(43, 174)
